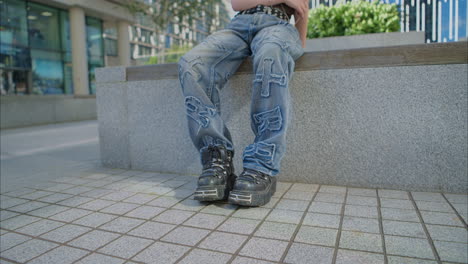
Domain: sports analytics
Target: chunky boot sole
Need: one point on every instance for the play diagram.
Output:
(214, 192)
(253, 198)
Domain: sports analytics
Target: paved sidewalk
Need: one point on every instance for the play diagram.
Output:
(101, 215)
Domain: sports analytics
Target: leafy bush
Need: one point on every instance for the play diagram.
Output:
(353, 18)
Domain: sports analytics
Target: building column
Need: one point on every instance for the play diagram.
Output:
(79, 51)
(123, 42)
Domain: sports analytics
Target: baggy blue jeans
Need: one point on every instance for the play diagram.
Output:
(274, 45)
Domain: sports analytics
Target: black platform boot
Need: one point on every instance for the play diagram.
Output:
(252, 188)
(217, 177)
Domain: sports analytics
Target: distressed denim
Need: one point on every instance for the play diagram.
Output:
(274, 45)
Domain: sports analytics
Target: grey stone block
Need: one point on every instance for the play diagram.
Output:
(140, 198)
(441, 218)
(48, 211)
(252, 213)
(361, 211)
(19, 221)
(185, 235)
(94, 219)
(448, 251)
(448, 233)
(223, 242)
(28, 250)
(295, 205)
(274, 230)
(428, 196)
(121, 224)
(70, 215)
(220, 209)
(111, 74)
(26, 207)
(61, 254)
(457, 198)
(352, 257)
(408, 246)
(327, 208)
(434, 206)
(205, 221)
(65, 233)
(399, 214)
(262, 248)
(239, 225)
(396, 203)
(332, 189)
(161, 253)
(362, 192)
(297, 195)
(205, 256)
(361, 241)
(360, 200)
(285, 216)
(368, 225)
(119, 208)
(398, 228)
(40, 227)
(173, 216)
(317, 236)
(399, 260)
(10, 240)
(164, 201)
(152, 230)
(322, 220)
(93, 240)
(145, 212)
(330, 197)
(125, 247)
(304, 254)
(96, 258)
(244, 260)
(96, 205)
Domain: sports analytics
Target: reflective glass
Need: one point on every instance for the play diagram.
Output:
(47, 68)
(43, 27)
(13, 23)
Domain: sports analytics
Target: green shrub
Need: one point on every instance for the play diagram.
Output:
(353, 18)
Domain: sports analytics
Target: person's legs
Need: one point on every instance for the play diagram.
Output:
(203, 71)
(275, 49)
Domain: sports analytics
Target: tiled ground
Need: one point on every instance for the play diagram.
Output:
(116, 216)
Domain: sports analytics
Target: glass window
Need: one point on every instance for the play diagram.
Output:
(43, 27)
(47, 70)
(65, 31)
(110, 46)
(13, 23)
(95, 45)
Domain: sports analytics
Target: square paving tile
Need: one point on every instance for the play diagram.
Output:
(161, 253)
(140, 198)
(351, 257)
(190, 205)
(322, 220)
(4, 204)
(448, 233)
(262, 248)
(361, 200)
(428, 196)
(302, 187)
(93, 240)
(285, 216)
(119, 208)
(395, 194)
(205, 221)
(368, 225)
(326, 208)
(361, 211)
(330, 197)
(10, 240)
(434, 206)
(121, 224)
(96, 205)
(40, 227)
(65, 233)
(297, 195)
(441, 218)
(399, 214)
(173, 216)
(361, 241)
(145, 212)
(4, 215)
(97, 258)
(295, 205)
(125, 247)
(306, 254)
(252, 213)
(118, 195)
(56, 197)
(164, 201)
(28, 250)
(60, 255)
(399, 260)
(19, 221)
(152, 230)
(97, 193)
(245, 260)
(48, 211)
(332, 189)
(224, 242)
(26, 207)
(449, 251)
(185, 235)
(275, 230)
(398, 228)
(317, 236)
(220, 209)
(75, 201)
(206, 257)
(408, 246)
(239, 225)
(70, 215)
(94, 219)
(457, 198)
(362, 192)
(396, 203)
(35, 195)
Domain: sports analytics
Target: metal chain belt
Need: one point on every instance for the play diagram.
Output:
(267, 9)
